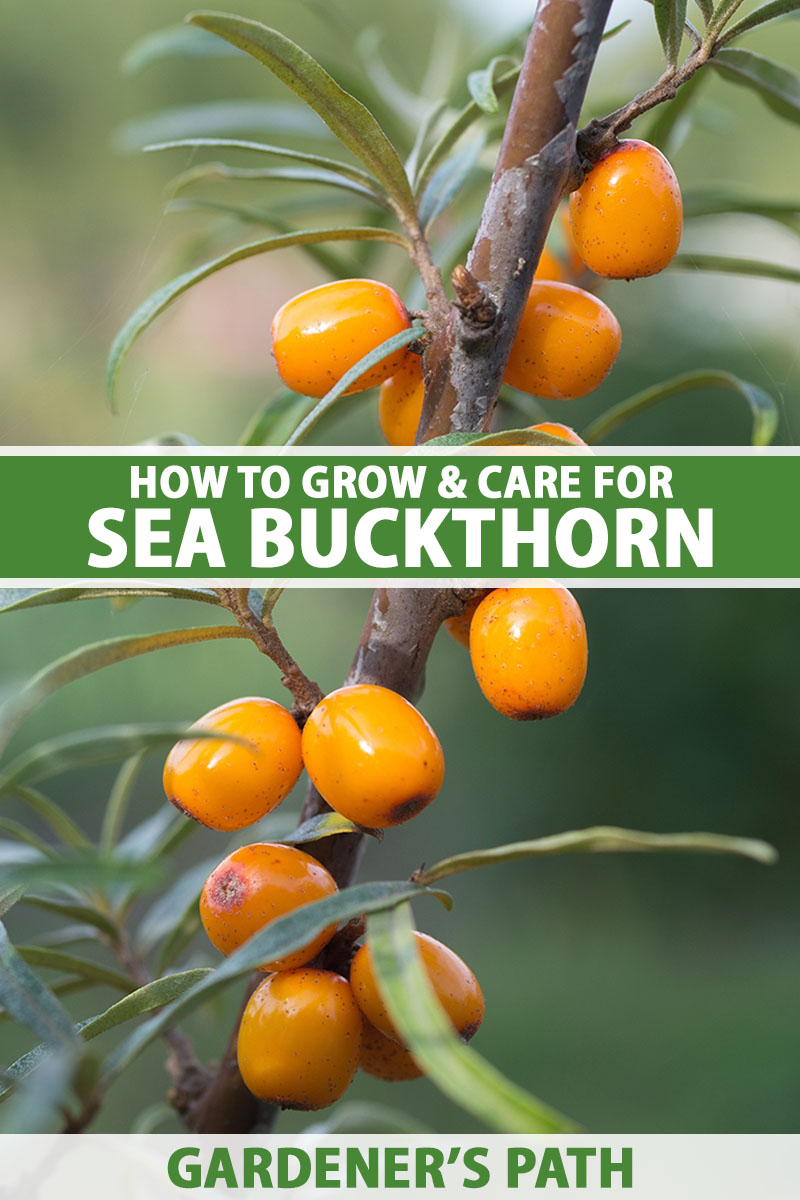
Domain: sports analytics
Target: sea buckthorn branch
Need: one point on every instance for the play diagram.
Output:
(601, 134)
(464, 364)
(305, 692)
(463, 369)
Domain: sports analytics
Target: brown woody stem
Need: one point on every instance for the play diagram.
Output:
(464, 365)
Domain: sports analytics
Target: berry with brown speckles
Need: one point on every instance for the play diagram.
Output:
(385, 1059)
(254, 886)
(372, 755)
(529, 652)
(566, 344)
(455, 985)
(627, 215)
(226, 784)
(320, 334)
(400, 403)
(300, 1039)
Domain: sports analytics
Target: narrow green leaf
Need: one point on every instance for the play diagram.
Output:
(352, 376)
(12, 599)
(345, 116)
(144, 999)
(91, 747)
(777, 85)
(176, 41)
(723, 12)
(603, 839)
(759, 16)
(735, 266)
(27, 999)
(170, 908)
(20, 833)
(705, 202)
(461, 123)
(276, 940)
(277, 420)
(424, 132)
(332, 165)
(91, 658)
(614, 30)
(118, 801)
(706, 8)
(395, 97)
(161, 300)
(448, 181)
(53, 815)
(336, 265)
(38, 1107)
(90, 871)
(70, 910)
(765, 410)
(218, 118)
(453, 439)
(71, 964)
(327, 825)
(151, 1117)
(9, 897)
(481, 83)
(670, 18)
(458, 1072)
(209, 172)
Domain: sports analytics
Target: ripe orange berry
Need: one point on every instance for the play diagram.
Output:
(385, 1059)
(528, 648)
(226, 785)
(458, 627)
(255, 885)
(322, 333)
(627, 215)
(566, 344)
(400, 403)
(551, 267)
(300, 1039)
(372, 756)
(454, 984)
(556, 429)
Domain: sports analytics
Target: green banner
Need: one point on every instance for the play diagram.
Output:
(364, 515)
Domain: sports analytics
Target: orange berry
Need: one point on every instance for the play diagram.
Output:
(550, 267)
(556, 429)
(627, 215)
(372, 756)
(400, 403)
(458, 627)
(528, 649)
(575, 264)
(255, 885)
(454, 984)
(385, 1059)
(566, 343)
(322, 333)
(300, 1039)
(226, 785)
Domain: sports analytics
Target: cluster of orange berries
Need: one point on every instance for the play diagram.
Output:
(374, 759)
(625, 222)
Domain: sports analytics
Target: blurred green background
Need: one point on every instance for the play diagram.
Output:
(636, 994)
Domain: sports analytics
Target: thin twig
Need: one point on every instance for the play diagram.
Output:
(305, 692)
